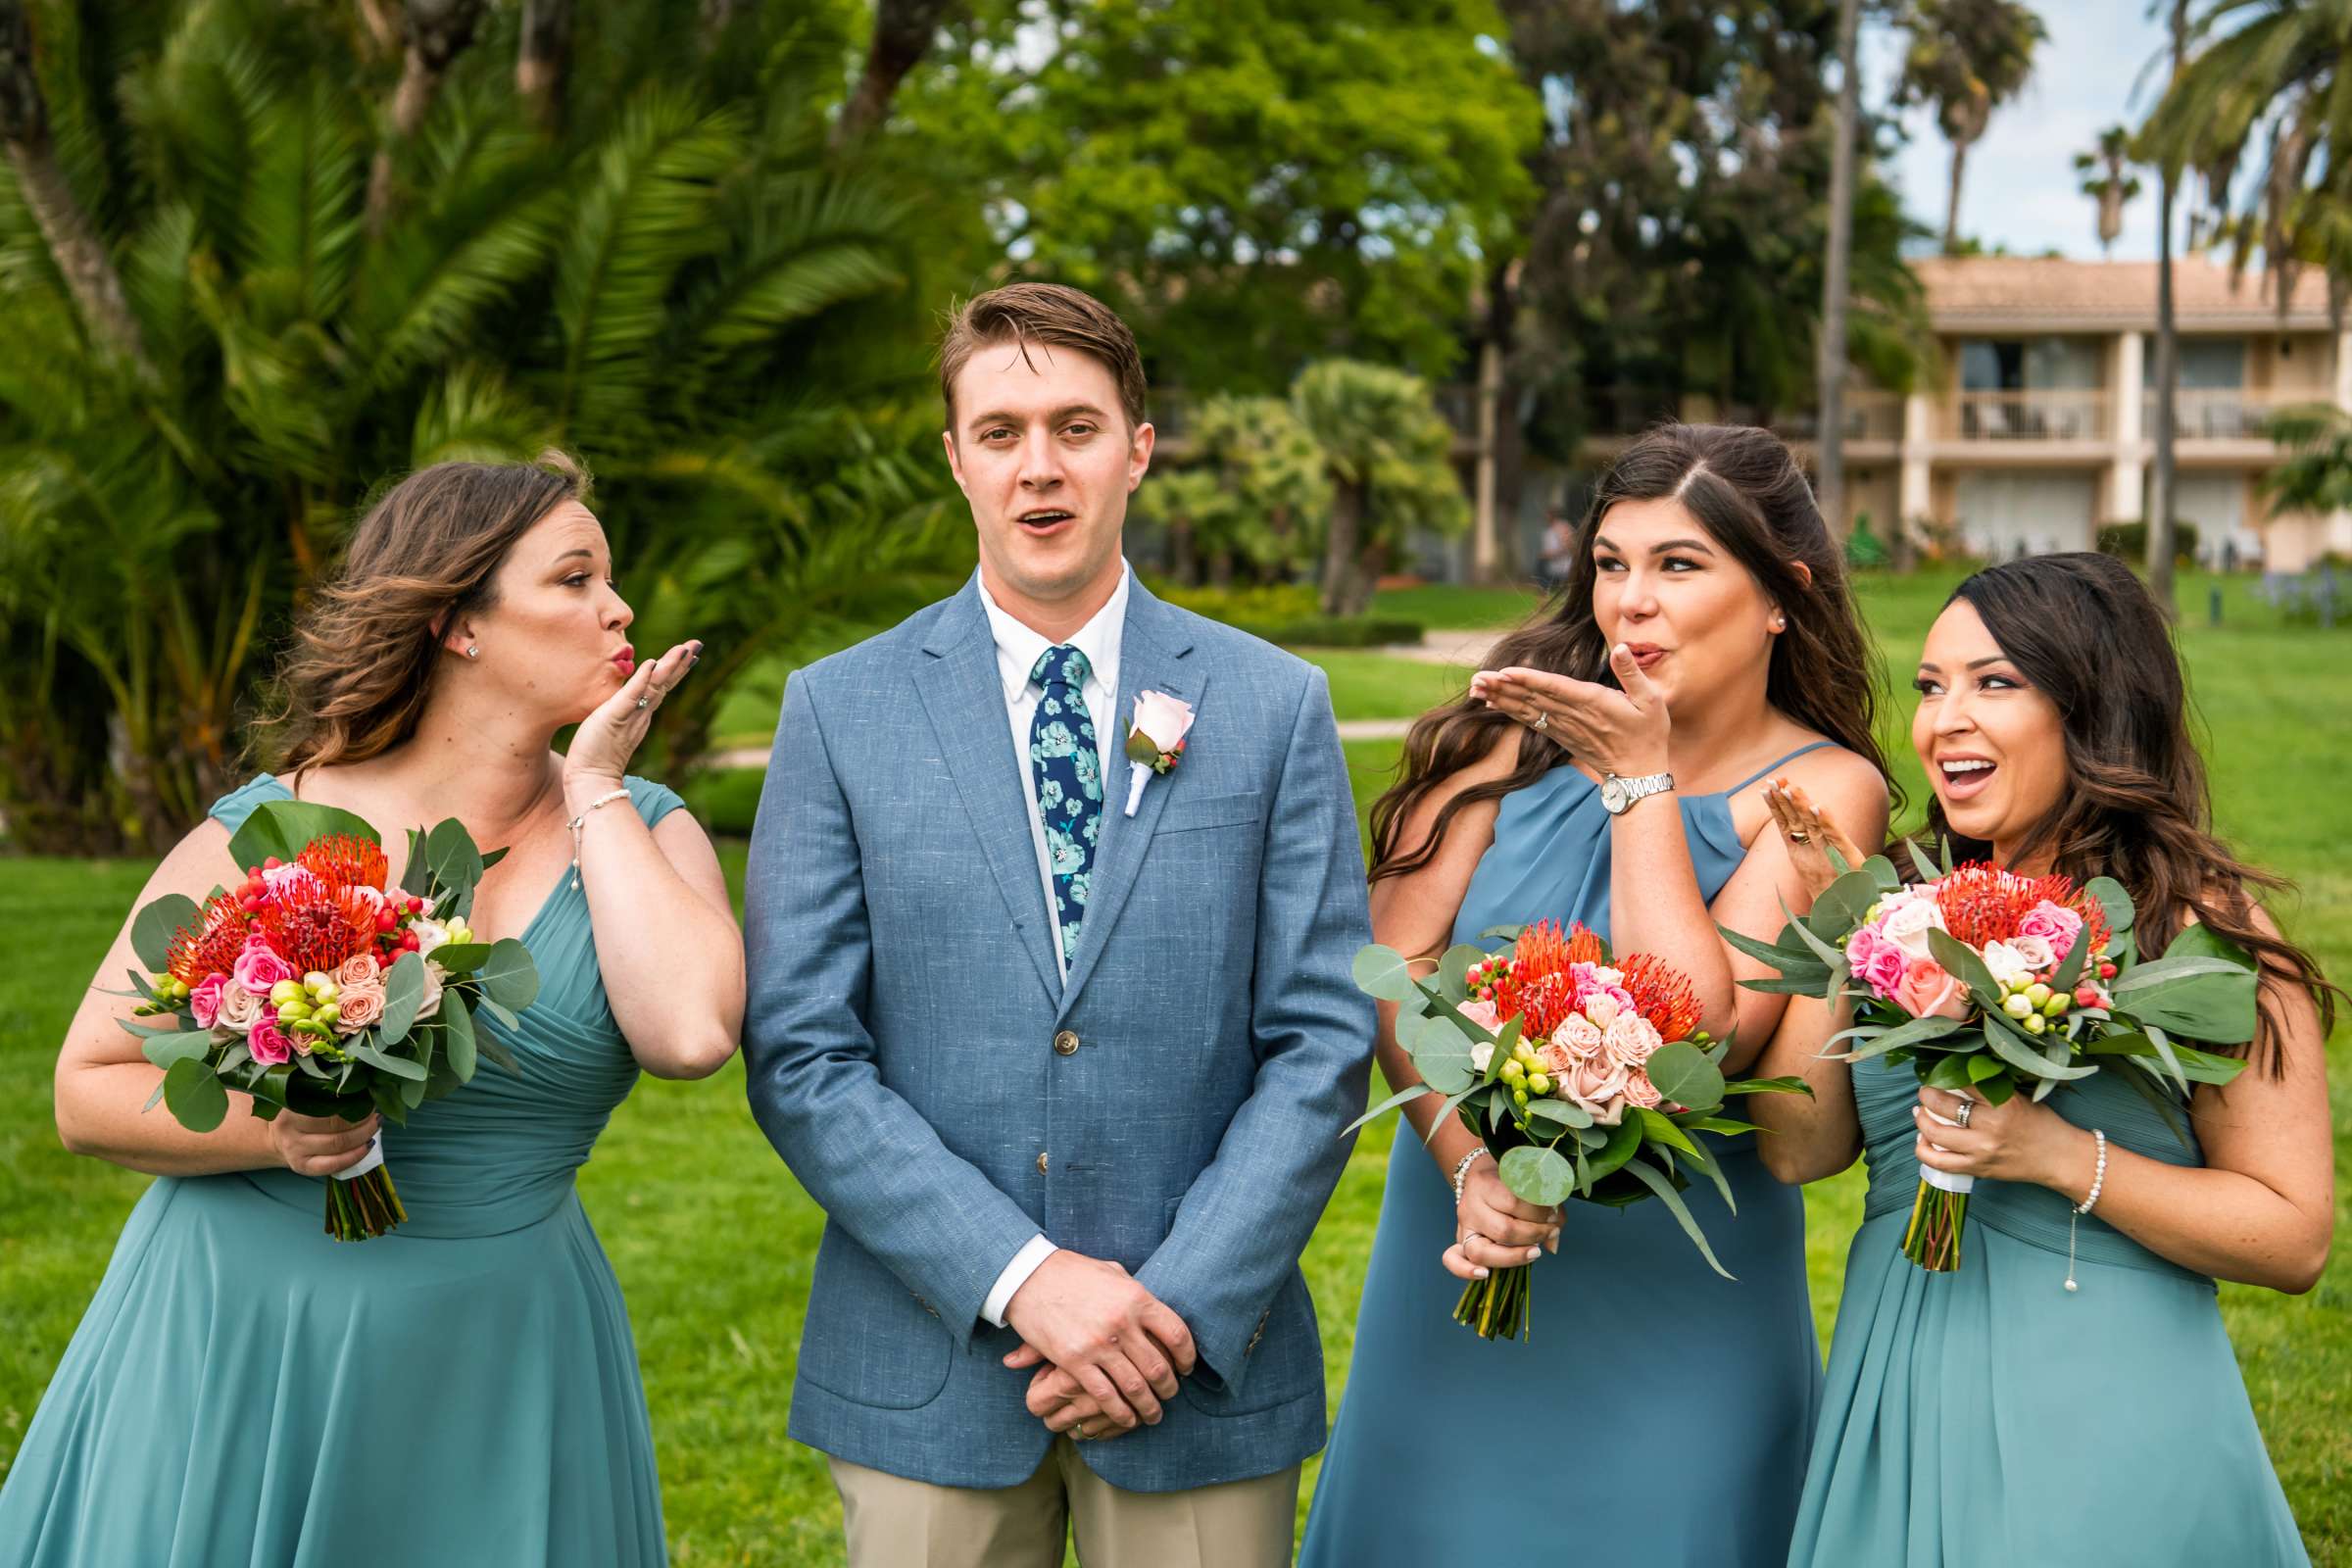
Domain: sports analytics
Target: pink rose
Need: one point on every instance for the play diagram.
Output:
(2055, 924)
(2035, 950)
(1630, 1040)
(205, 1001)
(1639, 1091)
(1555, 1059)
(258, 967)
(358, 1006)
(1599, 1086)
(238, 1009)
(1578, 1035)
(1928, 991)
(269, 1042)
(358, 970)
(1906, 925)
(1162, 719)
(1876, 961)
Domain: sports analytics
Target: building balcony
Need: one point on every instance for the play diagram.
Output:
(2042, 416)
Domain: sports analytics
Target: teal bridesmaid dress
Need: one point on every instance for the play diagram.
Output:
(1677, 1402)
(464, 1389)
(1991, 1417)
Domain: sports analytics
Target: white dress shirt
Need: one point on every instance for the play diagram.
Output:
(1017, 650)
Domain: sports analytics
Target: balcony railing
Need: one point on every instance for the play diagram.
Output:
(2060, 416)
(2225, 414)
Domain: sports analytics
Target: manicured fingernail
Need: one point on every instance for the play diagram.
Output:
(1481, 1273)
(1534, 1252)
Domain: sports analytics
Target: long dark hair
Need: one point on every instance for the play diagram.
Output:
(353, 683)
(2087, 634)
(1744, 489)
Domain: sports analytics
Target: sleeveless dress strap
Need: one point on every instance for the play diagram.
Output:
(1783, 762)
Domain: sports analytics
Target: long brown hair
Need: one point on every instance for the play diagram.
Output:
(1745, 490)
(355, 683)
(2087, 634)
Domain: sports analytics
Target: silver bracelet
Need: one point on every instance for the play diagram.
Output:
(2098, 1174)
(1462, 1172)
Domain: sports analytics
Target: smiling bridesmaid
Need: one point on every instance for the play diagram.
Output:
(2021, 1409)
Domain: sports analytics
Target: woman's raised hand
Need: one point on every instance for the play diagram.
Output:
(1620, 730)
(1809, 832)
(601, 748)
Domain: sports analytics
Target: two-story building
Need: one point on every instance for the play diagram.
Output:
(2037, 424)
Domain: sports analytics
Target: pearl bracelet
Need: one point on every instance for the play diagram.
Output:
(579, 822)
(1462, 1172)
(2098, 1174)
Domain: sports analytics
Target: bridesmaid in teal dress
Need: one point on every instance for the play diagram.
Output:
(465, 1388)
(1709, 591)
(2067, 1395)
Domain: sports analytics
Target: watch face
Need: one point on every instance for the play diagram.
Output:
(1612, 794)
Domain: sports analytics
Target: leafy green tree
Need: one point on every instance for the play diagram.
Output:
(1967, 58)
(1251, 184)
(221, 344)
(2108, 180)
(1252, 498)
(1388, 452)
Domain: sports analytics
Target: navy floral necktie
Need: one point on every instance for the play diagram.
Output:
(1067, 767)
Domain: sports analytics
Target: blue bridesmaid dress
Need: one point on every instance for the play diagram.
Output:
(1671, 1406)
(464, 1389)
(1991, 1417)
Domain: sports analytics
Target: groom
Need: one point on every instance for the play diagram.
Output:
(1063, 1043)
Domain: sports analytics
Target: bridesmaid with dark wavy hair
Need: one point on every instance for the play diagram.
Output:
(1704, 641)
(2069, 1393)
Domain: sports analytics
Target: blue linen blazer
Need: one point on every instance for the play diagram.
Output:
(1178, 1106)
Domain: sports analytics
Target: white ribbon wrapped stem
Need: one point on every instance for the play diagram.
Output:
(1944, 1180)
(367, 1162)
(1137, 774)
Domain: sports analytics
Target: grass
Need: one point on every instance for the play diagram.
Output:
(713, 1241)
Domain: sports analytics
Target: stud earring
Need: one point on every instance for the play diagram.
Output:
(1779, 623)
(473, 651)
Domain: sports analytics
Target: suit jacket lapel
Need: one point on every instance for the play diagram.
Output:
(1153, 657)
(964, 697)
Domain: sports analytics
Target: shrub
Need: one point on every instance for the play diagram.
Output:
(2130, 540)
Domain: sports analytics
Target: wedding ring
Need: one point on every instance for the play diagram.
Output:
(1968, 1109)
(645, 702)
(1797, 835)
(1468, 1237)
(1541, 720)
(1078, 1431)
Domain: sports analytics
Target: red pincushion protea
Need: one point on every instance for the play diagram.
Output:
(1663, 995)
(314, 926)
(1538, 985)
(208, 948)
(1984, 904)
(344, 862)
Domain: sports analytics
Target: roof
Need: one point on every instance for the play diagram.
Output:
(1974, 293)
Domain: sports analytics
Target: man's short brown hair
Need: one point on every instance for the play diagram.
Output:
(1054, 314)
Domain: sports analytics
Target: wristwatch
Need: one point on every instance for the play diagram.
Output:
(1619, 794)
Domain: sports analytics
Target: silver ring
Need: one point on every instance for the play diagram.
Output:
(1541, 720)
(645, 702)
(1078, 1431)
(1968, 1109)
(1467, 1237)
(1799, 836)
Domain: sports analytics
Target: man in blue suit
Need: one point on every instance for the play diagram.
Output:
(1063, 1041)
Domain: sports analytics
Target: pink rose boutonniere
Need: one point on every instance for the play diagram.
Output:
(1156, 742)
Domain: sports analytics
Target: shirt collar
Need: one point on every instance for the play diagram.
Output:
(1018, 646)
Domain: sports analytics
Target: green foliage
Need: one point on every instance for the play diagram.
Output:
(1252, 498)
(1251, 184)
(1388, 451)
(677, 283)
(2130, 540)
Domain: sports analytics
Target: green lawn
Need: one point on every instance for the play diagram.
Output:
(713, 1241)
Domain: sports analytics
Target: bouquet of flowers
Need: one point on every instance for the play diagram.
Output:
(1586, 1078)
(316, 985)
(1982, 978)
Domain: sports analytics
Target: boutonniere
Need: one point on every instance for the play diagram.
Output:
(1156, 741)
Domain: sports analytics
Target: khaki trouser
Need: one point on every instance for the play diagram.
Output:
(896, 1523)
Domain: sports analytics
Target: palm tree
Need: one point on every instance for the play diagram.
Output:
(1830, 356)
(2107, 180)
(1968, 58)
(1387, 450)
(677, 283)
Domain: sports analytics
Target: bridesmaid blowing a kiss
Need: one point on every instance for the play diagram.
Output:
(1704, 641)
(464, 1389)
(2067, 1395)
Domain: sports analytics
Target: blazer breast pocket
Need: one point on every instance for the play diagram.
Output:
(1193, 814)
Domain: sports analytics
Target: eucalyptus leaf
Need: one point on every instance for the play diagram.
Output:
(1882, 870)
(404, 993)
(1383, 973)
(1786, 1084)
(1792, 959)
(1684, 1076)
(2114, 901)
(461, 958)
(385, 1063)
(1822, 951)
(1658, 1129)
(457, 1025)
(1410, 1092)
(1928, 870)
(1453, 971)
(164, 1051)
(457, 864)
(1840, 906)
(1502, 933)
(509, 976)
(1703, 1159)
(1648, 1176)
(1623, 1142)
(1536, 1175)
(1914, 1032)
(284, 828)
(193, 1091)
(154, 925)
(2013, 1048)
(500, 1015)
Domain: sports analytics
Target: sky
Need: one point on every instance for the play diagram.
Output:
(2021, 189)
